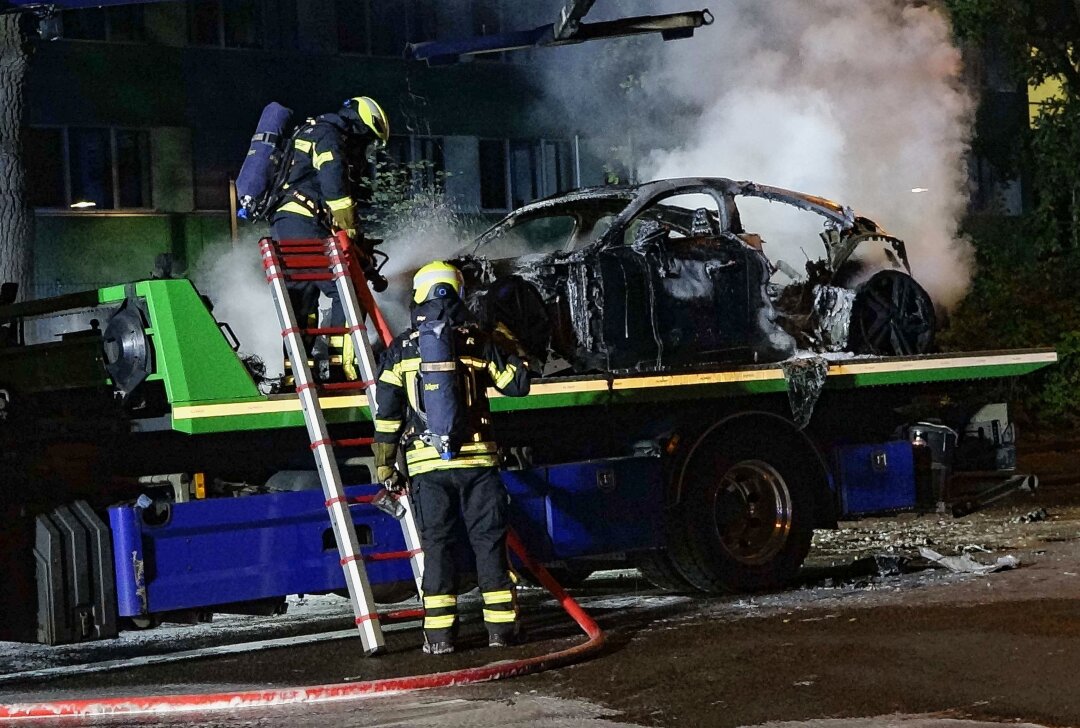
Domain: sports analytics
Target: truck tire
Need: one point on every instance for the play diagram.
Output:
(657, 568)
(746, 514)
(392, 592)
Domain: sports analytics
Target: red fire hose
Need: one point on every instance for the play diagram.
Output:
(204, 702)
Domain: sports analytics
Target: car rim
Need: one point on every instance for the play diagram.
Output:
(895, 318)
(752, 512)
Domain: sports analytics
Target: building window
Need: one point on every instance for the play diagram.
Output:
(412, 164)
(485, 17)
(88, 168)
(226, 23)
(429, 171)
(394, 23)
(119, 24)
(493, 182)
(352, 26)
(217, 156)
(44, 150)
(518, 172)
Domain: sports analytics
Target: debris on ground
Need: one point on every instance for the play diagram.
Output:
(1039, 514)
(966, 564)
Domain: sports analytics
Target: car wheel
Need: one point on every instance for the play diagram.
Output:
(892, 315)
(746, 516)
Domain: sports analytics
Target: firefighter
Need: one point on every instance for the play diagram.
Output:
(321, 194)
(465, 487)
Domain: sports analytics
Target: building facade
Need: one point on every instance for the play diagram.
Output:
(139, 115)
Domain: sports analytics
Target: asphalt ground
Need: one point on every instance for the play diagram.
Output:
(850, 648)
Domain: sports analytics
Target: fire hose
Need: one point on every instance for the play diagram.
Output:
(207, 702)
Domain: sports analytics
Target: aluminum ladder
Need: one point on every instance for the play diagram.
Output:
(336, 259)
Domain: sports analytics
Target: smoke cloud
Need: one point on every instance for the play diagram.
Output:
(860, 102)
(232, 277)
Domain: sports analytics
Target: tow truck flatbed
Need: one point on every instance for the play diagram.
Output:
(727, 381)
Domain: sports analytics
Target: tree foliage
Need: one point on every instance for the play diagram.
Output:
(1039, 40)
(1027, 289)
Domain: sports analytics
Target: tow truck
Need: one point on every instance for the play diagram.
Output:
(148, 477)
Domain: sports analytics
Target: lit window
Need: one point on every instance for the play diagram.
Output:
(88, 168)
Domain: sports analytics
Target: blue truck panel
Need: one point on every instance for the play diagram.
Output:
(587, 509)
(227, 550)
(876, 478)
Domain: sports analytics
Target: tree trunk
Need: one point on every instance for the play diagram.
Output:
(16, 219)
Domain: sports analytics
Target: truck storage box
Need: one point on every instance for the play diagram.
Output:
(876, 478)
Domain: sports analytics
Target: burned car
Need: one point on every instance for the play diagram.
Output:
(666, 274)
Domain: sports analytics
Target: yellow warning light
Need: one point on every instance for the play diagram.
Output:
(200, 485)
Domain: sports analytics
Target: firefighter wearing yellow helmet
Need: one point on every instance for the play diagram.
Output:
(321, 194)
(431, 402)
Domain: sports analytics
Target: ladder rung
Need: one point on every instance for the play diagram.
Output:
(347, 442)
(293, 243)
(398, 614)
(334, 386)
(325, 331)
(309, 276)
(391, 555)
(305, 261)
(354, 442)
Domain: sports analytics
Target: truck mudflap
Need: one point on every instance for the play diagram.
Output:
(75, 592)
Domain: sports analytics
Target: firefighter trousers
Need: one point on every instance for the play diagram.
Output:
(442, 501)
(305, 294)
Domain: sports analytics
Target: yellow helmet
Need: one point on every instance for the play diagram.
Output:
(435, 280)
(370, 114)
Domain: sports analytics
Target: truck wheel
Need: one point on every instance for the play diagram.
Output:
(657, 568)
(392, 592)
(746, 511)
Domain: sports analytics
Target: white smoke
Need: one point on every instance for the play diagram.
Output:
(860, 102)
(231, 275)
(428, 229)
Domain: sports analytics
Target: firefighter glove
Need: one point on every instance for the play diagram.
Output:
(393, 480)
(345, 219)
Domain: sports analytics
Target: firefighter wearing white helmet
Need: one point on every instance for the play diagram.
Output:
(322, 193)
(431, 403)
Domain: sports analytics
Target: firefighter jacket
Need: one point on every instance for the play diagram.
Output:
(399, 399)
(319, 182)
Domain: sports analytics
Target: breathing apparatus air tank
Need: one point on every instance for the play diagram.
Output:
(441, 388)
(255, 181)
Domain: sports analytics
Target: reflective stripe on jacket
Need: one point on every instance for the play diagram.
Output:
(399, 402)
(320, 169)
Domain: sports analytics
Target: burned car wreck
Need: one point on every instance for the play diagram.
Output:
(664, 274)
